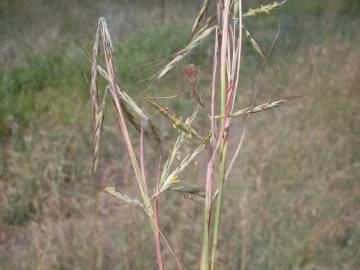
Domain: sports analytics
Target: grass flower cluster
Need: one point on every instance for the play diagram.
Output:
(222, 19)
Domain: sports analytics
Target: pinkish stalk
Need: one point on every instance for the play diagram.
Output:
(210, 166)
(111, 71)
(142, 162)
(171, 248)
(160, 232)
(228, 89)
(157, 230)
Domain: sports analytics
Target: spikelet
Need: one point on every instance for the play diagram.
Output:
(123, 197)
(188, 160)
(176, 121)
(266, 9)
(174, 154)
(129, 106)
(99, 120)
(98, 109)
(200, 16)
(255, 45)
(191, 190)
(262, 107)
(184, 52)
(93, 83)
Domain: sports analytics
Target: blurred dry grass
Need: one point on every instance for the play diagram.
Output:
(292, 201)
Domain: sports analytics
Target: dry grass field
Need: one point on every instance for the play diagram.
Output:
(292, 200)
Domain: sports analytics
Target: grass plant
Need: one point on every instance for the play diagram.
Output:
(228, 51)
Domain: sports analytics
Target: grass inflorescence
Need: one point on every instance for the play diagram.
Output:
(228, 32)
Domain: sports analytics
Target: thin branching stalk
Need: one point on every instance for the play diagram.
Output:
(110, 75)
(223, 95)
(210, 165)
(227, 92)
(159, 256)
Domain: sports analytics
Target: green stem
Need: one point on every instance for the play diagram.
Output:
(210, 165)
(205, 252)
(219, 204)
(223, 153)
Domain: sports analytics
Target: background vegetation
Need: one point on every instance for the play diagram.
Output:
(291, 203)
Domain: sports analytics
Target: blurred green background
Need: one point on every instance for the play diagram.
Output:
(293, 200)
